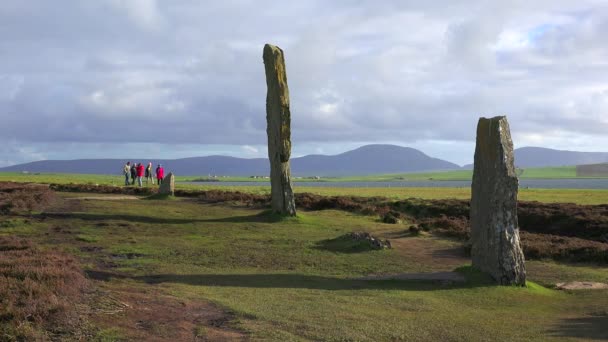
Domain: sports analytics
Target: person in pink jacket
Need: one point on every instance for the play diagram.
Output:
(160, 174)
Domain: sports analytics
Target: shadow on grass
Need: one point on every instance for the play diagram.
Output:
(117, 217)
(290, 281)
(594, 327)
(263, 217)
(266, 216)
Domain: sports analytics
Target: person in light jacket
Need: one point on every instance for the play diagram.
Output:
(149, 178)
(126, 170)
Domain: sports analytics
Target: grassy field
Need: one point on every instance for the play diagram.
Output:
(564, 172)
(542, 195)
(288, 280)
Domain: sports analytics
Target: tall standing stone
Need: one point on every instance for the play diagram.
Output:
(494, 228)
(278, 118)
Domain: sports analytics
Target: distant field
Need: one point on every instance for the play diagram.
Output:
(543, 195)
(561, 172)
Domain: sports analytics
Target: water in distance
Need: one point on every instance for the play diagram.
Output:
(523, 183)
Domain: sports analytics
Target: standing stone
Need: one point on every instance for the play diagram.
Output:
(278, 118)
(168, 185)
(494, 229)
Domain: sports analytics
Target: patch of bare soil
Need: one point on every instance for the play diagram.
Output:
(581, 285)
(430, 254)
(145, 314)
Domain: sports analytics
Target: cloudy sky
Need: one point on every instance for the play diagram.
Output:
(171, 79)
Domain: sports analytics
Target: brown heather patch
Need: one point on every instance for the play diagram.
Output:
(103, 189)
(539, 246)
(20, 197)
(39, 292)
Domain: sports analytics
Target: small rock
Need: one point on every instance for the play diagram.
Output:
(373, 241)
(392, 217)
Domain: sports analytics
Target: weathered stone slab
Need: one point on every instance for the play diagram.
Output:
(278, 118)
(494, 229)
(168, 185)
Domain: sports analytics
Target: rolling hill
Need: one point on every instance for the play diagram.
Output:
(366, 160)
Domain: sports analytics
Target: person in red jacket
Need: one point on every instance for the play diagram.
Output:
(140, 173)
(160, 174)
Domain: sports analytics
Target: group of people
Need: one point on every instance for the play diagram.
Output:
(137, 171)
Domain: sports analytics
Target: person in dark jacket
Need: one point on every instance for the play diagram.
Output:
(133, 173)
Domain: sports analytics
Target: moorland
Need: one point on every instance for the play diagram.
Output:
(82, 258)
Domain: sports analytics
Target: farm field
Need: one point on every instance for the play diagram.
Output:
(184, 268)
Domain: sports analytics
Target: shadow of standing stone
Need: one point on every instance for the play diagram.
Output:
(494, 229)
(278, 118)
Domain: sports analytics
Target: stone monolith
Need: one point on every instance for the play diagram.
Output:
(494, 229)
(168, 185)
(278, 118)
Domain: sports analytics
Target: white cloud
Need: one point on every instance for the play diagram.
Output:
(145, 13)
(250, 149)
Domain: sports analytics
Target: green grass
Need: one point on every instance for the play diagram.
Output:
(283, 283)
(580, 196)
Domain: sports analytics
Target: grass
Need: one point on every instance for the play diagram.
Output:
(281, 285)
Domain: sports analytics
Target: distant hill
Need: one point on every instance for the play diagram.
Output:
(366, 160)
(543, 157)
(369, 160)
(528, 157)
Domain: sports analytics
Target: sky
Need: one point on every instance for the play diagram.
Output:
(173, 79)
